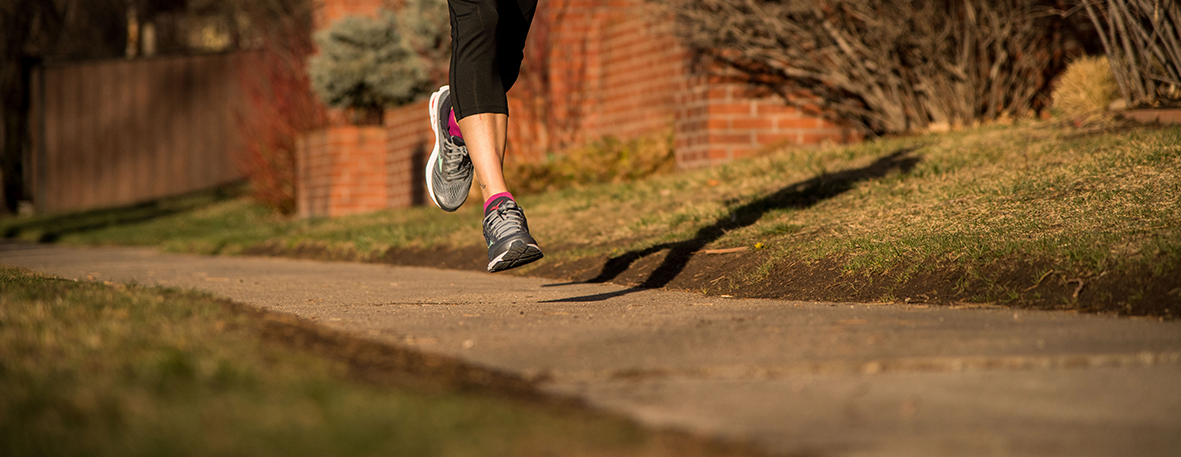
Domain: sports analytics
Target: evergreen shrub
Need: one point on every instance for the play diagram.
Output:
(367, 64)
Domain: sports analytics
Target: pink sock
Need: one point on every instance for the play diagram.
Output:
(453, 126)
(494, 197)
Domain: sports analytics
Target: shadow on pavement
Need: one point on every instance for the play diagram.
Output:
(800, 195)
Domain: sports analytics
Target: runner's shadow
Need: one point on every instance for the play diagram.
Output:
(800, 195)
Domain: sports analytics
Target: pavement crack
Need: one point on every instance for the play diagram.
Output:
(887, 366)
(413, 303)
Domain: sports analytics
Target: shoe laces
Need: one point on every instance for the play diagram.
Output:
(456, 161)
(505, 220)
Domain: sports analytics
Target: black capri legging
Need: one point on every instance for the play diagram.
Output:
(487, 45)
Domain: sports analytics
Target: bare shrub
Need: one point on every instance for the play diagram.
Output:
(280, 105)
(1087, 87)
(888, 65)
(1143, 43)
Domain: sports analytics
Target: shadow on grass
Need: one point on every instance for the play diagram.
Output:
(53, 227)
(800, 195)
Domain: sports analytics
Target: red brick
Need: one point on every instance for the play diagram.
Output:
(718, 94)
(746, 152)
(715, 153)
(778, 138)
(775, 108)
(796, 123)
(730, 108)
(826, 124)
(715, 138)
(751, 123)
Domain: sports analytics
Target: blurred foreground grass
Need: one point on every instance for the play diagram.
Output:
(91, 369)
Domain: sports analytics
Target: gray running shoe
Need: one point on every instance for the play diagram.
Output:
(449, 169)
(507, 234)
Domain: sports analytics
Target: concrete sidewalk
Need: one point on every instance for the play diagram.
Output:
(794, 378)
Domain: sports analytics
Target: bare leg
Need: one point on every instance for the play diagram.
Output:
(486, 137)
(505, 228)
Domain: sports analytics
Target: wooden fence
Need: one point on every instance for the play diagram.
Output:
(117, 132)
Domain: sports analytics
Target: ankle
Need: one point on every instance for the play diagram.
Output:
(488, 203)
(453, 126)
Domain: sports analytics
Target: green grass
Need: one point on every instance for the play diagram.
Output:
(93, 369)
(226, 222)
(1088, 205)
(1084, 203)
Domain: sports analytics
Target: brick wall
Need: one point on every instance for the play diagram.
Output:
(344, 170)
(615, 67)
(608, 67)
(722, 118)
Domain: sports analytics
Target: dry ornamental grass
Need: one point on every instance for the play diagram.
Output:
(1085, 89)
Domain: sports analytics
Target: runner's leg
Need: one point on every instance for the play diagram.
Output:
(486, 137)
(488, 41)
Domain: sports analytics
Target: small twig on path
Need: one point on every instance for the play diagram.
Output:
(1077, 289)
(1039, 281)
(723, 251)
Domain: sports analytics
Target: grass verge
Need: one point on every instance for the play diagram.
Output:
(94, 369)
(1034, 215)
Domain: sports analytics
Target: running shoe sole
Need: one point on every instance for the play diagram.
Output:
(518, 253)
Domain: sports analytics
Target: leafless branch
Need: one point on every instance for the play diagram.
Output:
(1143, 43)
(889, 65)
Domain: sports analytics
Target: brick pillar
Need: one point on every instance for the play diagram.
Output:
(410, 139)
(347, 169)
(342, 170)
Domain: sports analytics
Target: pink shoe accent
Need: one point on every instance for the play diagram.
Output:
(494, 197)
(453, 126)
